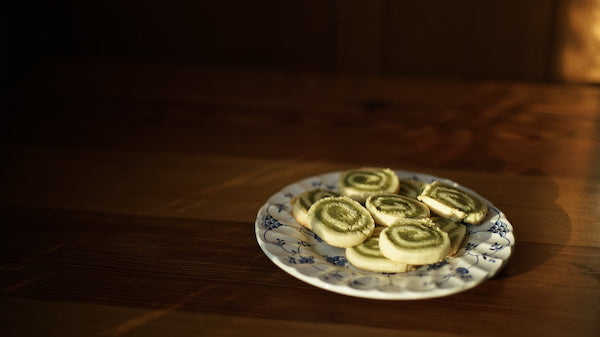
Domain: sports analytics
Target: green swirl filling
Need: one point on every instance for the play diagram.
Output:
(368, 180)
(411, 188)
(369, 248)
(308, 198)
(415, 236)
(399, 206)
(342, 216)
(454, 197)
(455, 230)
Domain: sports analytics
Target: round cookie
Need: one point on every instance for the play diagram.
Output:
(411, 188)
(340, 221)
(414, 243)
(453, 203)
(388, 208)
(361, 183)
(456, 232)
(367, 256)
(301, 203)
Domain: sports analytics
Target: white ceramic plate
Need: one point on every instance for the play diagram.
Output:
(305, 256)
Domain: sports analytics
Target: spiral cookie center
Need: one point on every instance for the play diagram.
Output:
(398, 205)
(370, 248)
(306, 200)
(340, 216)
(455, 198)
(415, 236)
(365, 180)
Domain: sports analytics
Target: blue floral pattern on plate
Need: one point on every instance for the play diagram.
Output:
(304, 255)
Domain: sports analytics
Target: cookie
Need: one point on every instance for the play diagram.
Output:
(367, 256)
(388, 208)
(456, 232)
(361, 183)
(340, 221)
(301, 203)
(453, 203)
(414, 243)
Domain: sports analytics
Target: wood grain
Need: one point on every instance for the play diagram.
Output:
(510, 39)
(130, 193)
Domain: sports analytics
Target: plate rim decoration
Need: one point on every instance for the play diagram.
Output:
(302, 254)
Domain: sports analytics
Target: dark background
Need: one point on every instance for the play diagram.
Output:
(506, 40)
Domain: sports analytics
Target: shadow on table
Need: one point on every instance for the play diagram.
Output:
(552, 221)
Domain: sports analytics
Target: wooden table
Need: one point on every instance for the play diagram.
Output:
(130, 191)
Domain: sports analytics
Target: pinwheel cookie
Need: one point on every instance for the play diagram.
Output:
(414, 243)
(452, 203)
(389, 208)
(368, 256)
(361, 183)
(456, 232)
(340, 221)
(301, 203)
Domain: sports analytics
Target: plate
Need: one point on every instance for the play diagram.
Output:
(301, 253)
